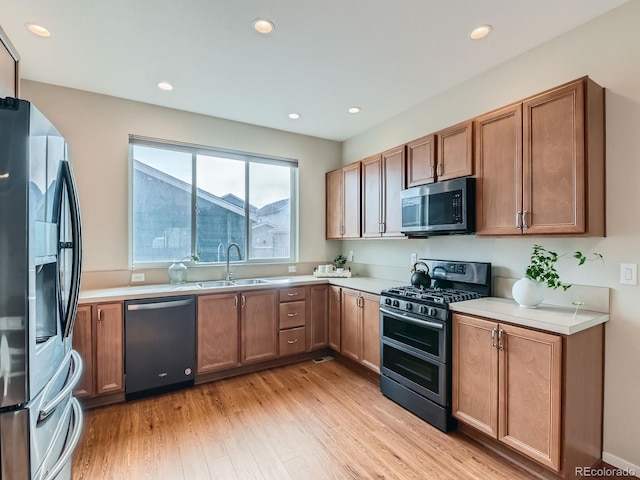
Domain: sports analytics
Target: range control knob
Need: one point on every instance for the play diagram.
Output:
(396, 303)
(423, 310)
(432, 312)
(387, 301)
(408, 306)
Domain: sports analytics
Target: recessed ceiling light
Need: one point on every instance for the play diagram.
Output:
(38, 30)
(262, 25)
(294, 116)
(354, 110)
(480, 32)
(165, 86)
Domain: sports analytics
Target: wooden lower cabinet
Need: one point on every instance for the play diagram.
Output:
(360, 328)
(218, 332)
(527, 389)
(98, 336)
(318, 318)
(335, 315)
(259, 325)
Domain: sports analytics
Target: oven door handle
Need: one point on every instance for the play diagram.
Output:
(415, 321)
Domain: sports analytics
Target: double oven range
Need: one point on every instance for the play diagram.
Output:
(415, 332)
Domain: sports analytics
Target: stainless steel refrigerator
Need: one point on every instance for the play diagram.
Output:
(40, 260)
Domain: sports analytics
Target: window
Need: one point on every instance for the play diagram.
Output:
(190, 200)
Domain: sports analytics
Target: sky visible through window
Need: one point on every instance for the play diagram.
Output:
(220, 176)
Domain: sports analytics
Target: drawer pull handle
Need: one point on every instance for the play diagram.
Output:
(292, 294)
(295, 314)
(295, 340)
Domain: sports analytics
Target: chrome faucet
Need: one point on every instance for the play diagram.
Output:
(228, 277)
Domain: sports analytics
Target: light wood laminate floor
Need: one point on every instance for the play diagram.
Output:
(305, 421)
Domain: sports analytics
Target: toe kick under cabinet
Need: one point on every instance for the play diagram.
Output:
(535, 396)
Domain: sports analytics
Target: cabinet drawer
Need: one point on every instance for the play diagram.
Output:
(292, 294)
(292, 314)
(292, 341)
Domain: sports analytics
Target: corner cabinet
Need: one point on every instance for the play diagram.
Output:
(343, 202)
(98, 336)
(537, 393)
(383, 178)
(540, 164)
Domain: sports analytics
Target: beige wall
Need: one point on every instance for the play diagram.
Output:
(608, 50)
(97, 128)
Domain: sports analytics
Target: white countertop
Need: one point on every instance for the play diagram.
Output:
(366, 284)
(550, 318)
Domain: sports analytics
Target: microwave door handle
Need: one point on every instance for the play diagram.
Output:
(76, 240)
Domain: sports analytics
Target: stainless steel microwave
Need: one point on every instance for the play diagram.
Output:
(441, 208)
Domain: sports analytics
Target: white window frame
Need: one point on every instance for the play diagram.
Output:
(248, 158)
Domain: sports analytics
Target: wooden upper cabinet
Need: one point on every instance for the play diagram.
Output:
(218, 329)
(554, 161)
(499, 171)
(334, 194)
(540, 164)
(421, 161)
(455, 151)
(343, 202)
(383, 178)
(372, 196)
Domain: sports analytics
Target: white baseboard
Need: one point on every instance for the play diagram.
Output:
(621, 464)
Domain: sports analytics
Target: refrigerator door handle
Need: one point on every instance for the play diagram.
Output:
(51, 405)
(76, 241)
(71, 444)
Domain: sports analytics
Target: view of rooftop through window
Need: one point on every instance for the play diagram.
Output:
(190, 201)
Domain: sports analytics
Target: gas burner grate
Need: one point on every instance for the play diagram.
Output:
(432, 294)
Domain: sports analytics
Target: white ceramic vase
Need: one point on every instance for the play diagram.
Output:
(528, 293)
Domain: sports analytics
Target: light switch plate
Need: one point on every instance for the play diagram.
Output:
(629, 273)
(414, 259)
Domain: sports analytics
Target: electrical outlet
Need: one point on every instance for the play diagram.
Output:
(414, 258)
(350, 256)
(293, 269)
(137, 277)
(629, 273)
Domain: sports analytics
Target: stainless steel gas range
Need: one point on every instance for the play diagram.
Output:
(415, 332)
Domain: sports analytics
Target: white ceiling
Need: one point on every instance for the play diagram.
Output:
(324, 56)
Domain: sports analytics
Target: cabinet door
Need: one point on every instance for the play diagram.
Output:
(351, 337)
(455, 151)
(498, 141)
(351, 201)
(109, 344)
(475, 373)
(553, 157)
(318, 316)
(334, 204)
(259, 325)
(370, 312)
(9, 79)
(217, 332)
(530, 393)
(371, 196)
(83, 343)
(393, 182)
(335, 316)
(421, 161)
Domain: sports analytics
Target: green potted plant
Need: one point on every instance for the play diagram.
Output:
(540, 273)
(339, 262)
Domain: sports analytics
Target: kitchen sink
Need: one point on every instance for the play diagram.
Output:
(250, 281)
(214, 284)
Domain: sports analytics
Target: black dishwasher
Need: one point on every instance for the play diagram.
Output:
(160, 344)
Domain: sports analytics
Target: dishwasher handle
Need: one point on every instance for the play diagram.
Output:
(156, 305)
